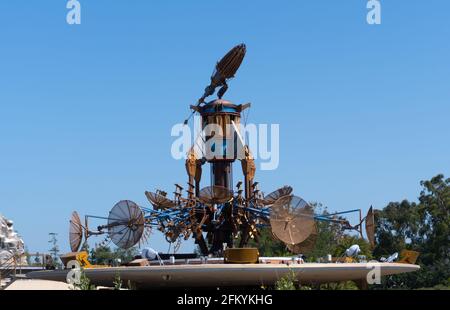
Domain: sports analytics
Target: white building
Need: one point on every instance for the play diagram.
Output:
(10, 242)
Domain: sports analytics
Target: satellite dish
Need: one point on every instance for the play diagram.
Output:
(125, 224)
(159, 201)
(215, 195)
(292, 219)
(75, 232)
(305, 246)
(370, 227)
(231, 62)
(272, 197)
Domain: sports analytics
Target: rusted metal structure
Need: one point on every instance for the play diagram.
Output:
(225, 69)
(221, 212)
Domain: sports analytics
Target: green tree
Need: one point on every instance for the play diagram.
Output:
(328, 235)
(101, 255)
(422, 227)
(268, 245)
(125, 255)
(104, 255)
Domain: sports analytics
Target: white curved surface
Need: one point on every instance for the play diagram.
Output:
(212, 275)
(21, 285)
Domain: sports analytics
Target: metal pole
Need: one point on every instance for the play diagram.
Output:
(360, 223)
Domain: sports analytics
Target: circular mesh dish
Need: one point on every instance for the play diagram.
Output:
(215, 195)
(272, 197)
(159, 201)
(125, 224)
(305, 246)
(291, 219)
(370, 227)
(75, 232)
(231, 62)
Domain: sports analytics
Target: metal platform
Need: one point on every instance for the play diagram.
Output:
(228, 275)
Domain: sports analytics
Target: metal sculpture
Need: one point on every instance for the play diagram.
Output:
(125, 224)
(305, 246)
(75, 232)
(291, 219)
(370, 227)
(225, 69)
(219, 213)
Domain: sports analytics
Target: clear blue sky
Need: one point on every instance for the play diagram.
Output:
(86, 111)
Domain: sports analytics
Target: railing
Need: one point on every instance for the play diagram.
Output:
(8, 271)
